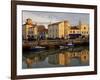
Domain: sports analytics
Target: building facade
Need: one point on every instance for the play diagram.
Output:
(42, 32)
(84, 28)
(58, 30)
(74, 32)
(29, 30)
(65, 30)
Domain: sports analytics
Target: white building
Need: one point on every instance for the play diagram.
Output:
(65, 30)
(58, 30)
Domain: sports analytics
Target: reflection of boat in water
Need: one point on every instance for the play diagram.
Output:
(77, 56)
(39, 47)
(63, 47)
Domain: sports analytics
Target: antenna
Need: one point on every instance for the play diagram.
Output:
(50, 19)
(80, 23)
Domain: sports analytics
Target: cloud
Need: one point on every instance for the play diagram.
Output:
(46, 18)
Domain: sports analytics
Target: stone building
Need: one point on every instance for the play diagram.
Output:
(42, 32)
(58, 30)
(84, 28)
(29, 30)
(74, 32)
(64, 30)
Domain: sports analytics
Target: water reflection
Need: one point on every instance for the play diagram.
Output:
(65, 57)
(78, 56)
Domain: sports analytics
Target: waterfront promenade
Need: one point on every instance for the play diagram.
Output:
(54, 43)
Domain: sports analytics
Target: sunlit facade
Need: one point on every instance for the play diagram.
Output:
(29, 29)
(84, 30)
(61, 29)
(65, 30)
(58, 30)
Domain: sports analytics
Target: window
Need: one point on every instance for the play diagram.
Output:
(84, 27)
(73, 31)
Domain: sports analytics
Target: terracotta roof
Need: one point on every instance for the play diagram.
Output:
(33, 25)
(41, 28)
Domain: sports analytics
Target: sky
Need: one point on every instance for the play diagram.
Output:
(45, 18)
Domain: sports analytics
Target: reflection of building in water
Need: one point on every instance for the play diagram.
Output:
(64, 58)
(52, 59)
(29, 62)
(34, 60)
(61, 58)
(84, 56)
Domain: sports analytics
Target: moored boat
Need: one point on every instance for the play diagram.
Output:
(37, 48)
(70, 44)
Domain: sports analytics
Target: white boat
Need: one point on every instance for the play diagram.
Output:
(70, 44)
(39, 47)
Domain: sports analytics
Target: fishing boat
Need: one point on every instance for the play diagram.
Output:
(70, 44)
(37, 48)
